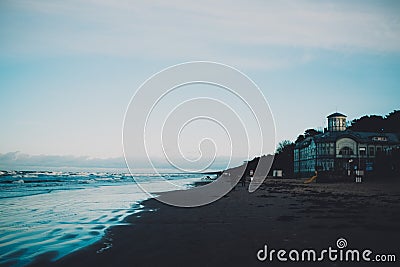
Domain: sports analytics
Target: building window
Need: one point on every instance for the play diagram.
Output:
(345, 151)
(363, 151)
(371, 151)
(332, 149)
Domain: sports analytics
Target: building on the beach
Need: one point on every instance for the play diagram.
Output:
(341, 151)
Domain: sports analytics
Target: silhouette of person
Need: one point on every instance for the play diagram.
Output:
(243, 181)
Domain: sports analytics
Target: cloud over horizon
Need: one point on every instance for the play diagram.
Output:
(18, 159)
(21, 161)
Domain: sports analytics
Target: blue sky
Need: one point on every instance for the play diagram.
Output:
(69, 68)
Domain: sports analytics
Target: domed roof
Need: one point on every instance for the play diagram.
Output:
(336, 114)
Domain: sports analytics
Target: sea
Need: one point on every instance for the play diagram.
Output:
(51, 214)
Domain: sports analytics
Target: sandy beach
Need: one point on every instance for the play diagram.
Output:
(283, 214)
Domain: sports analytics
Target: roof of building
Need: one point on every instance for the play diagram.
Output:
(336, 114)
(360, 137)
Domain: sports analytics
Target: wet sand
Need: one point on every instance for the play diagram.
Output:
(282, 214)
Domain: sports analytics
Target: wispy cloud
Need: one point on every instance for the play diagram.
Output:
(183, 30)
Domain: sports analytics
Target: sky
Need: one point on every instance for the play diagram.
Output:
(68, 69)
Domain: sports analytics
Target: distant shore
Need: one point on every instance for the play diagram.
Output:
(283, 213)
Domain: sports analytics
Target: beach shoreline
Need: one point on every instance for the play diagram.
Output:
(283, 213)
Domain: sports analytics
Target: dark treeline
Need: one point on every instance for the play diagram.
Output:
(307, 133)
(375, 123)
(283, 159)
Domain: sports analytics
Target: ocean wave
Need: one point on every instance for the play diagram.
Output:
(64, 216)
